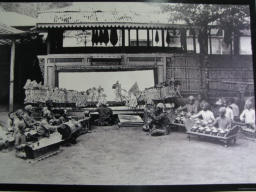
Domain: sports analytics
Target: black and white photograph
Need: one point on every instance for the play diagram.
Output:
(126, 93)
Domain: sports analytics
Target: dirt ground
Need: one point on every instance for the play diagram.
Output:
(110, 155)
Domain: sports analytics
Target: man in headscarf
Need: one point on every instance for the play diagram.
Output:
(190, 107)
(223, 103)
(27, 116)
(45, 128)
(105, 115)
(160, 123)
(205, 113)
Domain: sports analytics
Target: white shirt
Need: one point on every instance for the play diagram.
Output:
(229, 113)
(235, 109)
(248, 116)
(206, 115)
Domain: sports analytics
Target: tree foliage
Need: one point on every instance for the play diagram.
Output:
(226, 17)
(32, 9)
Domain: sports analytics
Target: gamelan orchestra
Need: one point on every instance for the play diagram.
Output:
(53, 117)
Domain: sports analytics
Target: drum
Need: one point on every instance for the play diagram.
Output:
(68, 129)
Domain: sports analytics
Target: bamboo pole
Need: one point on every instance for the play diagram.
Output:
(11, 88)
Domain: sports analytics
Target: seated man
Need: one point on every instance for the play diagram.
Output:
(222, 121)
(52, 119)
(44, 129)
(248, 114)
(221, 102)
(234, 108)
(105, 115)
(28, 119)
(205, 113)
(160, 122)
(190, 107)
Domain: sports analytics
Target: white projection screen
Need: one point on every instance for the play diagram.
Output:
(81, 81)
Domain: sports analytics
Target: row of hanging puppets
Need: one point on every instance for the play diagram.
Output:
(102, 36)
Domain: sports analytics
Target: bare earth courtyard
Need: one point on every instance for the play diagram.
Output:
(110, 155)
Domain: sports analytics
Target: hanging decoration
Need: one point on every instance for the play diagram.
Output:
(106, 37)
(101, 36)
(168, 40)
(157, 37)
(113, 37)
(93, 37)
(96, 37)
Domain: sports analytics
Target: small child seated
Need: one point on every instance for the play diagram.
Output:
(222, 121)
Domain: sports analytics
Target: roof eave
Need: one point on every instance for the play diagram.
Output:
(15, 35)
(98, 24)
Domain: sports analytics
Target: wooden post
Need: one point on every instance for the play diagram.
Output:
(11, 88)
(48, 45)
(236, 42)
(123, 38)
(137, 37)
(194, 40)
(162, 38)
(129, 37)
(210, 41)
(183, 38)
(152, 38)
(231, 45)
(148, 38)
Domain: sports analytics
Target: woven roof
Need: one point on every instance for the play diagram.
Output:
(105, 14)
